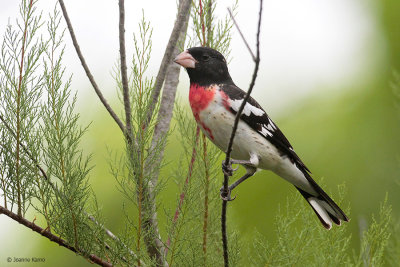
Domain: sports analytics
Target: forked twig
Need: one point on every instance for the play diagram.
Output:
(235, 125)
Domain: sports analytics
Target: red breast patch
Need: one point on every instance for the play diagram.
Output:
(199, 98)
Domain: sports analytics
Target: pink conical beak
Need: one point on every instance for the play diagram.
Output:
(186, 60)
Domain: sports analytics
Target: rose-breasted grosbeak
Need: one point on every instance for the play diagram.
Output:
(258, 143)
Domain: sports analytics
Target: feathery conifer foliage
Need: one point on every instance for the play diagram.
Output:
(44, 172)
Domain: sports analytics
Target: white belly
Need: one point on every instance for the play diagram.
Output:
(219, 122)
(246, 142)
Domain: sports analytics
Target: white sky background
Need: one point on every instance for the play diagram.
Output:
(306, 46)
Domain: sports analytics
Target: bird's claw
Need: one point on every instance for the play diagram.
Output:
(226, 196)
(227, 168)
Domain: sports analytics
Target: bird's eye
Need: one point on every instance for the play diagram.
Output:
(205, 57)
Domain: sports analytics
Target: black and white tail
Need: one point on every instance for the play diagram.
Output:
(325, 208)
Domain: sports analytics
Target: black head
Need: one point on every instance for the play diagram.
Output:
(205, 66)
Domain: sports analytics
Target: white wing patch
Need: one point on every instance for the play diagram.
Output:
(265, 132)
(248, 108)
(272, 124)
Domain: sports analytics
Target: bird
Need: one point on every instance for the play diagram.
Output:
(258, 143)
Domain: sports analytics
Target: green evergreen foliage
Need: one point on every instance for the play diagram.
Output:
(44, 169)
(21, 89)
(42, 164)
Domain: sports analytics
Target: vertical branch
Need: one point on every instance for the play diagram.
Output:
(170, 74)
(3, 167)
(206, 189)
(209, 22)
(167, 102)
(203, 28)
(229, 149)
(207, 176)
(223, 226)
(128, 124)
(19, 94)
(184, 9)
(124, 75)
(182, 195)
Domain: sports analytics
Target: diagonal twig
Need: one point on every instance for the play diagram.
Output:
(94, 258)
(229, 149)
(241, 34)
(87, 70)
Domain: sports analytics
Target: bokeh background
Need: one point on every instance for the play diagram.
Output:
(325, 78)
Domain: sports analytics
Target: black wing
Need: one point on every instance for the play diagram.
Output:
(258, 120)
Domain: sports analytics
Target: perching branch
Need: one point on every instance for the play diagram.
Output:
(235, 125)
(52, 237)
(86, 68)
(184, 9)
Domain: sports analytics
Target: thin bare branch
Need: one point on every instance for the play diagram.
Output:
(52, 237)
(184, 9)
(206, 190)
(203, 28)
(209, 22)
(241, 34)
(124, 73)
(235, 125)
(86, 68)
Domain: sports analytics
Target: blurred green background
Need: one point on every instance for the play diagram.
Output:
(350, 137)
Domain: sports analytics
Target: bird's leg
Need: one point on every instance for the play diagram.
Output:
(227, 195)
(242, 162)
(251, 168)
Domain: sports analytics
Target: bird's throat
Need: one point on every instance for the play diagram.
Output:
(200, 97)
